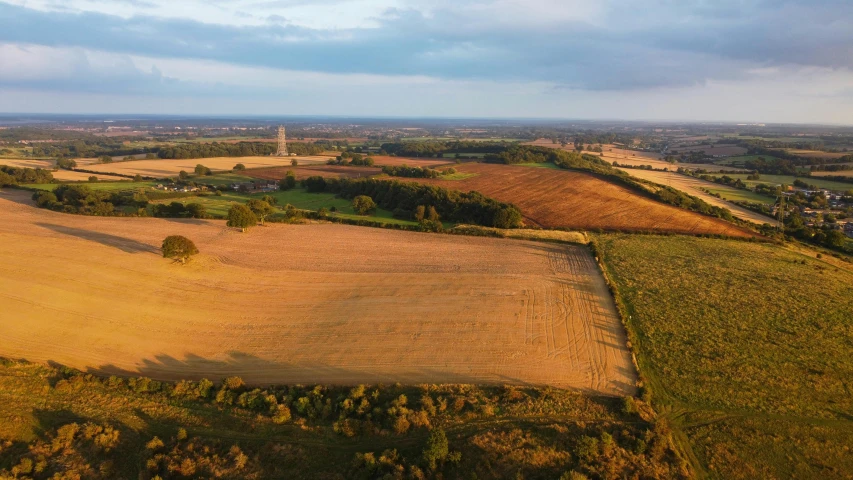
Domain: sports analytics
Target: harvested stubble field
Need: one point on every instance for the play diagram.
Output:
(816, 153)
(565, 199)
(171, 167)
(319, 303)
(328, 171)
(64, 175)
(693, 186)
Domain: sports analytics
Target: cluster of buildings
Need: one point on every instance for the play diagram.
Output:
(255, 185)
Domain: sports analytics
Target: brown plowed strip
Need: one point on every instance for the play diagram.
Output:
(316, 303)
(566, 199)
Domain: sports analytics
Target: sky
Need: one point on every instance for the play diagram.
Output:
(772, 61)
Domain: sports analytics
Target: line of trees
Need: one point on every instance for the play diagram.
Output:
(240, 149)
(20, 175)
(404, 198)
(410, 172)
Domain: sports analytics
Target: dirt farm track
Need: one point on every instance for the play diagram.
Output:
(317, 303)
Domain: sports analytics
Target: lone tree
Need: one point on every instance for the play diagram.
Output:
(294, 162)
(178, 248)
(202, 170)
(239, 167)
(289, 181)
(260, 208)
(240, 216)
(363, 204)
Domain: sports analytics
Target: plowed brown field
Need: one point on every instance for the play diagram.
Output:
(565, 199)
(316, 303)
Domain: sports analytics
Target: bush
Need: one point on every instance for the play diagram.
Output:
(178, 247)
(362, 204)
(240, 216)
(93, 178)
(239, 167)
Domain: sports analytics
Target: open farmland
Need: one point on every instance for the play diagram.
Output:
(693, 186)
(633, 158)
(816, 153)
(64, 175)
(722, 149)
(381, 160)
(317, 303)
(746, 346)
(171, 167)
(328, 171)
(566, 199)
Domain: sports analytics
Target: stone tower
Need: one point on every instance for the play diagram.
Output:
(282, 143)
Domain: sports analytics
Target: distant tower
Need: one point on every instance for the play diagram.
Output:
(282, 143)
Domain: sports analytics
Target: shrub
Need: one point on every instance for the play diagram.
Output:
(178, 247)
(239, 167)
(93, 178)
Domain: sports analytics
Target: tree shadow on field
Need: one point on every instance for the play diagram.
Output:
(185, 221)
(261, 372)
(124, 244)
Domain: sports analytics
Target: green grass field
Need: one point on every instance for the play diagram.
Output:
(789, 180)
(217, 206)
(540, 165)
(745, 346)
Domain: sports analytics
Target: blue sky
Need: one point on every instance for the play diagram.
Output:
(735, 60)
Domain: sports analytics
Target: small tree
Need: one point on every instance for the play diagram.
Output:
(240, 216)
(202, 170)
(105, 159)
(270, 199)
(436, 449)
(178, 248)
(93, 178)
(182, 175)
(239, 167)
(294, 162)
(363, 204)
(420, 213)
(260, 208)
(196, 210)
(289, 181)
(431, 214)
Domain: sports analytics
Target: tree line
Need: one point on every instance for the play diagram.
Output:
(404, 198)
(20, 175)
(240, 149)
